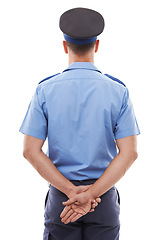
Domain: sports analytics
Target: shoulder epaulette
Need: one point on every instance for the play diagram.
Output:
(115, 79)
(48, 78)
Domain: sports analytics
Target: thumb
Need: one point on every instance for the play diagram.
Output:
(70, 201)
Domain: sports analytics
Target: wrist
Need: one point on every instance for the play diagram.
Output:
(71, 191)
(89, 195)
(92, 193)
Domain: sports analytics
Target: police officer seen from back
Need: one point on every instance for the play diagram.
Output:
(92, 131)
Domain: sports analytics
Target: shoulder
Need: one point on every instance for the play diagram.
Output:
(42, 85)
(48, 78)
(115, 79)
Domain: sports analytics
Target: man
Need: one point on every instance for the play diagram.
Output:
(86, 116)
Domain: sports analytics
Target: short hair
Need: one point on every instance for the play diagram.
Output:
(80, 49)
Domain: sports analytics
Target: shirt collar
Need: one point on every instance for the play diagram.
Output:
(82, 65)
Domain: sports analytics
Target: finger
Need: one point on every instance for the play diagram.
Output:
(77, 203)
(70, 201)
(78, 210)
(67, 215)
(65, 210)
(72, 216)
(65, 218)
(69, 219)
(92, 210)
(76, 217)
(98, 200)
(94, 205)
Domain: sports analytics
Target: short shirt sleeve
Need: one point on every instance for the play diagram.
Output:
(35, 121)
(126, 124)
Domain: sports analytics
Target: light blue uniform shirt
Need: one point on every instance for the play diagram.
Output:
(82, 112)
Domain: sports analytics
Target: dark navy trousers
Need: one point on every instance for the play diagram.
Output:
(102, 224)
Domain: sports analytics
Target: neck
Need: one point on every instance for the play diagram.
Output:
(84, 58)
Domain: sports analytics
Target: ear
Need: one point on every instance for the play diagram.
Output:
(65, 47)
(96, 46)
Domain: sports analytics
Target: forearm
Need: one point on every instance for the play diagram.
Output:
(113, 173)
(49, 172)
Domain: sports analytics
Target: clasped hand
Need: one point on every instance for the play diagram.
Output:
(80, 203)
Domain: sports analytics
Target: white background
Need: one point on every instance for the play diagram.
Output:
(31, 50)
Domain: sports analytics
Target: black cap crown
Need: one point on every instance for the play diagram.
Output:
(81, 24)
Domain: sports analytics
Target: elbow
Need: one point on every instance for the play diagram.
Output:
(29, 155)
(131, 158)
(134, 155)
(26, 153)
(131, 155)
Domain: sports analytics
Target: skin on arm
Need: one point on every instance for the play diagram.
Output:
(32, 151)
(114, 172)
(119, 165)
